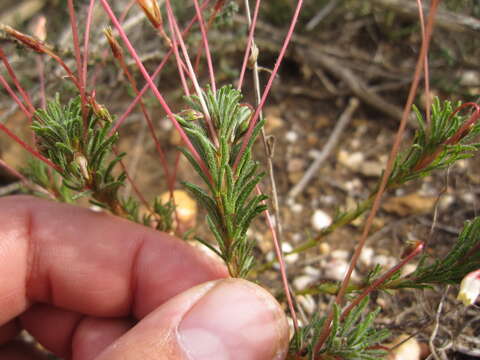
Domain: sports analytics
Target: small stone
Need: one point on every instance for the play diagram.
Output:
(352, 161)
(335, 269)
(366, 256)
(371, 168)
(302, 282)
(339, 254)
(291, 136)
(308, 303)
(407, 269)
(295, 165)
(272, 123)
(324, 248)
(446, 201)
(312, 271)
(384, 260)
(297, 208)
(286, 248)
(408, 350)
(470, 78)
(320, 220)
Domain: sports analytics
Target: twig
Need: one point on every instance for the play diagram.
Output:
(329, 146)
(445, 19)
(322, 14)
(437, 324)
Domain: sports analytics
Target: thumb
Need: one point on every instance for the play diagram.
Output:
(225, 319)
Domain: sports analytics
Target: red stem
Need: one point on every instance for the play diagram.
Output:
(205, 44)
(256, 115)
(373, 286)
(16, 82)
(27, 147)
(281, 262)
(154, 76)
(427, 75)
(155, 90)
(86, 39)
(15, 97)
(249, 44)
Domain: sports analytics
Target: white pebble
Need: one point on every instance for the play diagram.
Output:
(291, 136)
(384, 260)
(312, 271)
(296, 208)
(339, 254)
(302, 282)
(308, 303)
(335, 269)
(366, 256)
(320, 220)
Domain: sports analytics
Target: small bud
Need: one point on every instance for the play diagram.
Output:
(190, 115)
(82, 163)
(152, 10)
(253, 56)
(114, 45)
(470, 288)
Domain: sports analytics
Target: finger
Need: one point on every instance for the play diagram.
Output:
(225, 319)
(91, 263)
(65, 332)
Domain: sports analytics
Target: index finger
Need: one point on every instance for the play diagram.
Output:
(92, 263)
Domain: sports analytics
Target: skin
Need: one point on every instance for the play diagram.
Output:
(90, 286)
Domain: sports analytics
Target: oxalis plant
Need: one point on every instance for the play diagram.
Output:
(74, 156)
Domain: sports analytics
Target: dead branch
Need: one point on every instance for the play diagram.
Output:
(444, 19)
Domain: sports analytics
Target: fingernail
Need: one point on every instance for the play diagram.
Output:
(236, 319)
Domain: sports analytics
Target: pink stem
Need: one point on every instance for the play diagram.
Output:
(14, 78)
(15, 97)
(193, 77)
(281, 262)
(28, 147)
(249, 44)
(180, 65)
(205, 44)
(154, 75)
(156, 92)
(256, 115)
(86, 39)
(373, 286)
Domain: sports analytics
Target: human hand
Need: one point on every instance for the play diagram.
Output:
(91, 286)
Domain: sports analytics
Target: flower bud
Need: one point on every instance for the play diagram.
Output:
(152, 10)
(470, 288)
(82, 163)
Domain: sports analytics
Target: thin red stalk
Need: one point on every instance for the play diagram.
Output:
(386, 174)
(205, 44)
(15, 97)
(78, 57)
(281, 262)
(426, 69)
(136, 190)
(373, 286)
(27, 147)
(16, 82)
(177, 57)
(154, 76)
(155, 90)
(218, 6)
(249, 44)
(192, 74)
(86, 39)
(281, 55)
(41, 79)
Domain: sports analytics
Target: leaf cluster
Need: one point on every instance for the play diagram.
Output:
(463, 258)
(228, 198)
(434, 146)
(353, 337)
(81, 147)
